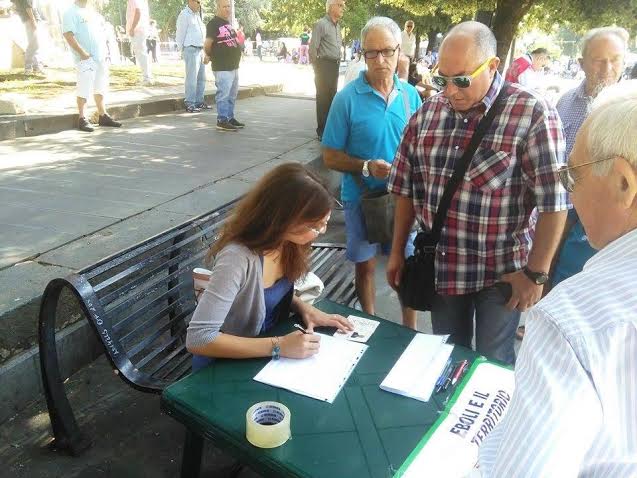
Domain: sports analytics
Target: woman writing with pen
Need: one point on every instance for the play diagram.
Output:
(264, 247)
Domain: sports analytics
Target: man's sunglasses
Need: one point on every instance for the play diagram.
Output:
(461, 81)
(386, 53)
(567, 179)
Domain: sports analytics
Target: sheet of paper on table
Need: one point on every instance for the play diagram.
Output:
(363, 329)
(320, 376)
(450, 447)
(415, 373)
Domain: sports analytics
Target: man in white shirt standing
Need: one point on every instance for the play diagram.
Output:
(576, 376)
(191, 33)
(137, 23)
(408, 44)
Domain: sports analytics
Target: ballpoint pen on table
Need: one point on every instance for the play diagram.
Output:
(444, 375)
(461, 368)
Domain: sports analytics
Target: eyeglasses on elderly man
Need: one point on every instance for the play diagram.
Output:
(567, 179)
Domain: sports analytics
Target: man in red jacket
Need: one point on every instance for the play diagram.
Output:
(526, 69)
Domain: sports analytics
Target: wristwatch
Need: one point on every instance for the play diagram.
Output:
(365, 171)
(539, 278)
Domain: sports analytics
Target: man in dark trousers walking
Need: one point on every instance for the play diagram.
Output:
(325, 55)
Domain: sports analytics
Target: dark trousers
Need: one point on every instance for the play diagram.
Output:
(326, 81)
(151, 46)
(495, 325)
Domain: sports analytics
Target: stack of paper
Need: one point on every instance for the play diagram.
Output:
(321, 376)
(418, 368)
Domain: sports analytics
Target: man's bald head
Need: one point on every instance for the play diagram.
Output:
(466, 48)
(474, 35)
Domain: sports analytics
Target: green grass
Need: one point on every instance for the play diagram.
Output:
(62, 80)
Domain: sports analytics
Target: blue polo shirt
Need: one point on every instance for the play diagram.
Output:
(364, 125)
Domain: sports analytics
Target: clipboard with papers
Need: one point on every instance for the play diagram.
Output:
(320, 376)
(476, 407)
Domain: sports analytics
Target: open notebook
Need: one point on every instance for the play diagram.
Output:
(415, 373)
(321, 376)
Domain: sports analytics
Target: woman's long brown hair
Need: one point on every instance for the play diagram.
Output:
(290, 195)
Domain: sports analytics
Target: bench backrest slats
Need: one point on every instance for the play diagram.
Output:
(129, 254)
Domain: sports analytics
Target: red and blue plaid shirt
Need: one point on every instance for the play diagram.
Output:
(486, 232)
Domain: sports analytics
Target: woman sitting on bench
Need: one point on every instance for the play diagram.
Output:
(264, 247)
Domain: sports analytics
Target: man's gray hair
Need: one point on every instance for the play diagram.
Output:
(328, 3)
(612, 126)
(483, 38)
(618, 32)
(382, 22)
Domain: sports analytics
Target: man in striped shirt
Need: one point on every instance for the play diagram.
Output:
(485, 238)
(574, 409)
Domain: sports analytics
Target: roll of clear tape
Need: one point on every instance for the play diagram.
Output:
(268, 424)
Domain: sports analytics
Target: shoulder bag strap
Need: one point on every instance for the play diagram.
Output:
(463, 164)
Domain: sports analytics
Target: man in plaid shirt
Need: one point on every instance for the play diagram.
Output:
(485, 238)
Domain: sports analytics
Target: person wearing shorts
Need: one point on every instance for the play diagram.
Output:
(363, 130)
(85, 37)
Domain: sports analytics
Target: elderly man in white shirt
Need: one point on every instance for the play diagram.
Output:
(574, 411)
(190, 37)
(409, 40)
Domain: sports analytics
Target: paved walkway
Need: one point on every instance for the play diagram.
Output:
(72, 198)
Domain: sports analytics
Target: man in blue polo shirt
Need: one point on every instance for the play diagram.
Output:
(364, 128)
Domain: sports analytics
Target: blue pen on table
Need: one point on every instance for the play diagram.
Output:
(301, 328)
(443, 376)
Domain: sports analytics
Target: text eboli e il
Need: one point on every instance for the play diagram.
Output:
(475, 408)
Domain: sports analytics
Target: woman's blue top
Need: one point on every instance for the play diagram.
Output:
(273, 296)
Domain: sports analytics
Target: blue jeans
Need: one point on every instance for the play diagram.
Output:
(495, 325)
(195, 83)
(227, 83)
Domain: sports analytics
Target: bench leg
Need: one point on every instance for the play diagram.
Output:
(65, 430)
(191, 458)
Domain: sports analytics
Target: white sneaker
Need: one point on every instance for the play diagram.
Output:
(148, 83)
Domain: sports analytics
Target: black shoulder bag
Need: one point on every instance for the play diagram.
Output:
(417, 287)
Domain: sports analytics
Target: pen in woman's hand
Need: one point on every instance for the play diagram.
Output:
(300, 327)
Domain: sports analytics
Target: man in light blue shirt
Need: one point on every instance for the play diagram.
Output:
(191, 33)
(603, 54)
(84, 32)
(363, 130)
(573, 411)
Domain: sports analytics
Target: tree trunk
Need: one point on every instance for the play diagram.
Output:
(432, 37)
(508, 15)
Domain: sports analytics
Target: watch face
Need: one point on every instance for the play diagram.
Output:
(541, 279)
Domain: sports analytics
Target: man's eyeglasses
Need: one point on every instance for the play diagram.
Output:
(567, 179)
(461, 81)
(386, 53)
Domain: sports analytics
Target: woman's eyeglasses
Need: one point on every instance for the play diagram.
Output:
(567, 179)
(461, 81)
(386, 53)
(320, 230)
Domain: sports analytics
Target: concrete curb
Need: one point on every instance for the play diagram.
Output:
(35, 125)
